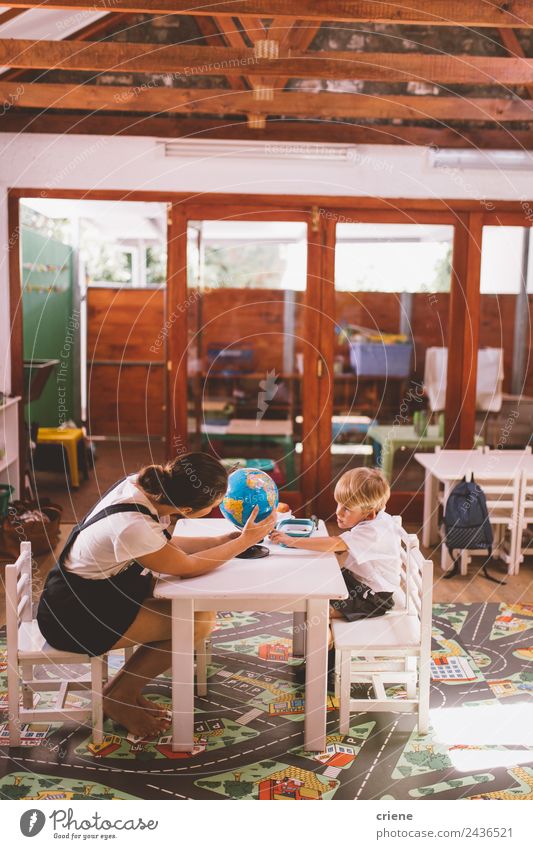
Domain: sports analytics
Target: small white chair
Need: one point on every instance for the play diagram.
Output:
(443, 490)
(525, 518)
(390, 649)
(503, 505)
(27, 647)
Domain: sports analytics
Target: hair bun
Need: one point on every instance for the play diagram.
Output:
(194, 479)
(152, 479)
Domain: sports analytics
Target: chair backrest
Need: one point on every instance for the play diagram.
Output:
(416, 579)
(18, 597)
(525, 509)
(502, 495)
(458, 452)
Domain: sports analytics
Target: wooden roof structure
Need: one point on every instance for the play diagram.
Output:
(447, 73)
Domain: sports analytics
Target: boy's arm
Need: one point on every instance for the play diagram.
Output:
(310, 543)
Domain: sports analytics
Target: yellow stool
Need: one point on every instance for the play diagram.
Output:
(68, 438)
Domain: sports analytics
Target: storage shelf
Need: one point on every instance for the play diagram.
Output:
(5, 462)
(8, 402)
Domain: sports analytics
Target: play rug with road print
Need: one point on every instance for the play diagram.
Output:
(249, 730)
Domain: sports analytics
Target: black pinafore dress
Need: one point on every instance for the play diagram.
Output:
(89, 615)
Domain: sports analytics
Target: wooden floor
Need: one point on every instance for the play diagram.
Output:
(475, 587)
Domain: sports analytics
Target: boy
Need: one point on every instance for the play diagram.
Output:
(371, 541)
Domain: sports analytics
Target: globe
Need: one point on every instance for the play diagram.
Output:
(248, 488)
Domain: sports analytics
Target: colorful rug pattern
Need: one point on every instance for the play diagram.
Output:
(249, 730)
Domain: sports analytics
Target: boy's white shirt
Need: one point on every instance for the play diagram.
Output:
(374, 552)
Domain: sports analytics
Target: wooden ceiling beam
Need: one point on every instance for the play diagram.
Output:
(94, 30)
(514, 48)
(324, 105)
(468, 13)
(298, 37)
(212, 34)
(254, 30)
(9, 14)
(297, 132)
(193, 60)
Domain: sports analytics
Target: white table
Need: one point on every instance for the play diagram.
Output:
(449, 466)
(288, 580)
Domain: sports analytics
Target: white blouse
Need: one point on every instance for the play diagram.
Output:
(108, 546)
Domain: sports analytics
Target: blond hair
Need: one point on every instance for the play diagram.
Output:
(364, 488)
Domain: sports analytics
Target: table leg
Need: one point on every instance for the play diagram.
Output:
(446, 562)
(182, 675)
(298, 634)
(316, 661)
(430, 529)
(388, 448)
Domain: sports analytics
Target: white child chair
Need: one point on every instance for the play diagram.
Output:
(390, 649)
(525, 518)
(27, 647)
(502, 495)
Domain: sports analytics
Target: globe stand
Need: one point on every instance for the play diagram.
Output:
(254, 552)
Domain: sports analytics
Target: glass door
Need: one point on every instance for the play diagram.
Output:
(390, 315)
(246, 342)
(505, 368)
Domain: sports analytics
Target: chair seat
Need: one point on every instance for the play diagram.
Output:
(368, 636)
(33, 646)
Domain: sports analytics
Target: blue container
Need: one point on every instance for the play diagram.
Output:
(372, 359)
(264, 464)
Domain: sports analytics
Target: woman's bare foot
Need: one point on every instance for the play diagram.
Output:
(153, 707)
(136, 719)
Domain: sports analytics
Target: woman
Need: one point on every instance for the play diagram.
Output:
(98, 596)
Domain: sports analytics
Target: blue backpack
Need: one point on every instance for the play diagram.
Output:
(467, 524)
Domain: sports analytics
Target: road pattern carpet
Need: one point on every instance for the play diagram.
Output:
(249, 729)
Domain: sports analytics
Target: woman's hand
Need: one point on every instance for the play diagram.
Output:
(228, 537)
(282, 539)
(253, 531)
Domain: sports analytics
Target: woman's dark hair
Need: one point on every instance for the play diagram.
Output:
(190, 480)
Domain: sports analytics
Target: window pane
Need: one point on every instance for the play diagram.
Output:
(392, 285)
(246, 342)
(393, 258)
(501, 260)
(247, 254)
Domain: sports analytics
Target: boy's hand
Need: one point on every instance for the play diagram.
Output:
(281, 539)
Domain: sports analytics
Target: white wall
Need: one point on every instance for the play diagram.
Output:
(105, 162)
(56, 161)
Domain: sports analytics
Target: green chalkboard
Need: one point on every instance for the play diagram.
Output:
(50, 324)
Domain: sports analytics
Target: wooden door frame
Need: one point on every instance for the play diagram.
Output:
(322, 209)
(177, 291)
(404, 502)
(465, 314)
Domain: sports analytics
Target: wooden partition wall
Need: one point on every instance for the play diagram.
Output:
(125, 364)
(469, 320)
